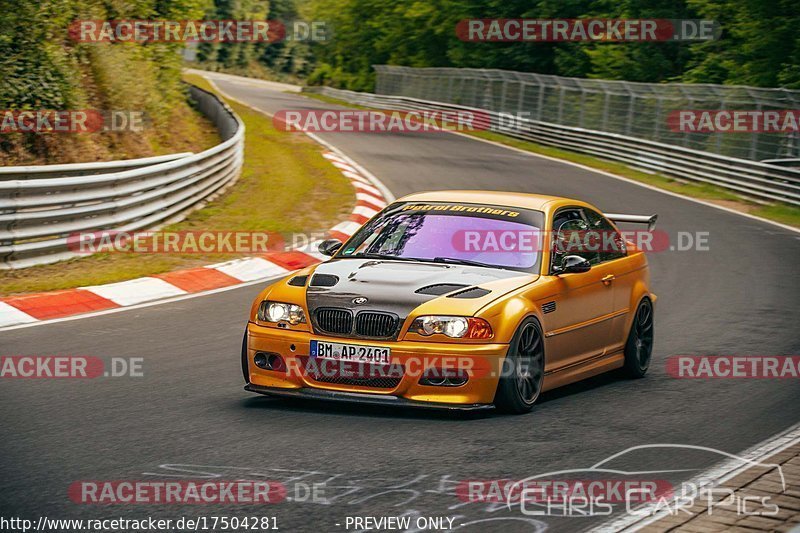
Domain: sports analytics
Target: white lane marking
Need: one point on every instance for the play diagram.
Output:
(135, 291)
(249, 269)
(718, 474)
(140, 306)
(10, 315)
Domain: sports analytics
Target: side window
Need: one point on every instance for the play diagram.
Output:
(569, 227)
(603, 238)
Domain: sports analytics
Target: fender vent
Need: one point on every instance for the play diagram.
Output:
(298, 281)
(474, 292)
(440, 288)
(549, 307)
(324, 280)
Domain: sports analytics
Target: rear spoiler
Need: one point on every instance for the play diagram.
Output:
(650, 220)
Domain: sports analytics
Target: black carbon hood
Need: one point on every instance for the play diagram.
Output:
(395, 287)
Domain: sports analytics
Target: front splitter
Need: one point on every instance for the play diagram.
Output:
(362, 398)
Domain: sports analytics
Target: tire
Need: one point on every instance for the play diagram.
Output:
(639, 346)
(245, 368)
(523, 370)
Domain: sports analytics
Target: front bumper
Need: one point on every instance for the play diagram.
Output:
(481, 362)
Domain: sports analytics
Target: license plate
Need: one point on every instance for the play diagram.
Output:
(351, 352)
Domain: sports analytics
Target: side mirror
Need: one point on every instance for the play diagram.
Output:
(572, 264)
(329, 246)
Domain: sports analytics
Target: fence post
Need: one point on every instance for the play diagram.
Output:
(540, 104)
(657, 120)
(718, 135)
(631, 103)
(754, 141)
(450, 89)
(521, 98)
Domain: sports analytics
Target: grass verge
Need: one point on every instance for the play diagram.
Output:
(778, 212)
(286, 186)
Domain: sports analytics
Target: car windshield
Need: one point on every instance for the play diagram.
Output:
(470, 234)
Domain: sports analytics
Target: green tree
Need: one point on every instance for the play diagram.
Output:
(760, 44)
(233, 54)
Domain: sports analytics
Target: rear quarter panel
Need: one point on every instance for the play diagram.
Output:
(631, 286)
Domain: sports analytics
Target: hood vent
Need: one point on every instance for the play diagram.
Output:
(298, 281)
(440, 288)
(474, 292)
(324, 280)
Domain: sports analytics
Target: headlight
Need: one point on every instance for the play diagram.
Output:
(281, 312)
(453, 326)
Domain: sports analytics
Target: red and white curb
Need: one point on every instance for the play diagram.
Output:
(30, 308)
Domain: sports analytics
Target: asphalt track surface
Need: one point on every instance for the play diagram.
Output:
(741, 297)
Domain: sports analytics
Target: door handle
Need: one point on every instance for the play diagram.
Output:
(608, 279)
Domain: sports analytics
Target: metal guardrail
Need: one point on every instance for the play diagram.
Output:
(795, 162)
(642, 110)
(41, 206)
(755, 180)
